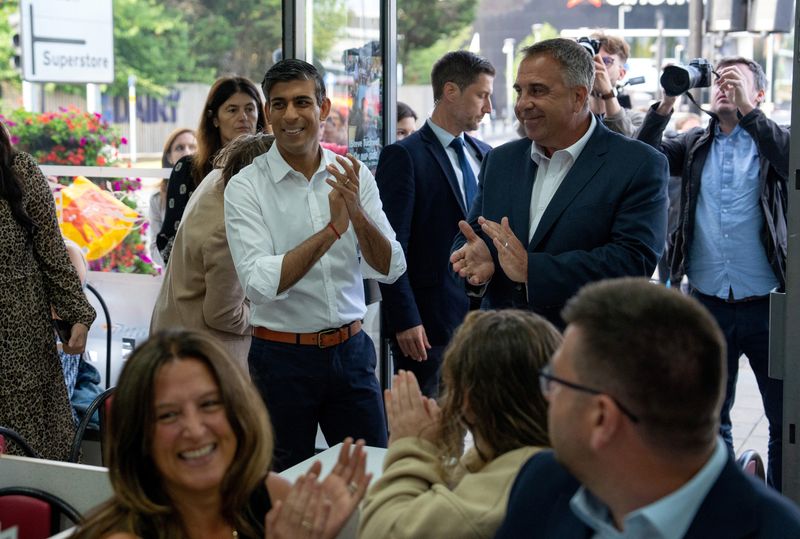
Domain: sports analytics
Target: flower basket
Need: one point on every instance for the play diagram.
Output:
(78, 138)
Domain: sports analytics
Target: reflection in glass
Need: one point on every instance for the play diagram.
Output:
(345, 44)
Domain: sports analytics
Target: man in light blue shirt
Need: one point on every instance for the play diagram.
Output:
(634, 395)
(731, 238)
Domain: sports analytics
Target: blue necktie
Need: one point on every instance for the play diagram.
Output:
(470, 184)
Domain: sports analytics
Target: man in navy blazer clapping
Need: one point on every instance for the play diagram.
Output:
(571, 204)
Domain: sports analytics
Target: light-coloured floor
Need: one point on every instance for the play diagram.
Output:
(750, 428)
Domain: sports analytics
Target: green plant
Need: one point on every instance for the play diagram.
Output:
(67, 137)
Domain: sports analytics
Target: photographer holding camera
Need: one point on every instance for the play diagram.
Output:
(610, 54)
(731, 237)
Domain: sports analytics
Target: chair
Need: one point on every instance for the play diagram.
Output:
(107, 314)
(752, 464)
(7, 434)
(102, 403)
(36, 513)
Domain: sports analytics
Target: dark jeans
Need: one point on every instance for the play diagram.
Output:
(304, 386)
(427, 372)
(746, 329)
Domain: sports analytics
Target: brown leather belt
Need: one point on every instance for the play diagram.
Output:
(322, 339)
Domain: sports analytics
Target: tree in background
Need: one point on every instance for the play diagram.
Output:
(243, 37)
(152, 41)
(417, 70)
(232, 37)
(7, 72)
(421, 23)
(330, 23)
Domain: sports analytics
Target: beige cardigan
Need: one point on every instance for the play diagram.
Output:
(412, 499)
(201, 290)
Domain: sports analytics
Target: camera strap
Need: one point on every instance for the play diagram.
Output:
(701, 109)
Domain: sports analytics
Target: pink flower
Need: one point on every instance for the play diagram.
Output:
(123, 140)
(82, 142)
(14, 139)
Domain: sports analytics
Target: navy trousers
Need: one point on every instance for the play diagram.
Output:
(427, 372)
(746, 329)
(305, 386)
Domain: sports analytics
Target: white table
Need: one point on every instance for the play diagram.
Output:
(84, 487)
(328, 459)
(81, 486)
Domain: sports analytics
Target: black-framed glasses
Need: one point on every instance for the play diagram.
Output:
(546, 379)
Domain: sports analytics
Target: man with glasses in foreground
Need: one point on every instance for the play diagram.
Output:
(634, 396)
(609, 66)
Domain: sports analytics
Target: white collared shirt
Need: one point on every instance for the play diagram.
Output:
(550, 173)
(445, 138)
(270, 209)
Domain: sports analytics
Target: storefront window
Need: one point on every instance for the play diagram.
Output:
(343, 41)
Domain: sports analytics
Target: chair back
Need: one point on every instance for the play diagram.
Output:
(10, 435)
(102, 403)
(752, 464)
(35, 513)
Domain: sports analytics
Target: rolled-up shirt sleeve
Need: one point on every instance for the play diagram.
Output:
(251, 243)
(371, 202)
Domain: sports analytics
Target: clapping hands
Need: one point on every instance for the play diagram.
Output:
(408, 412)
(319, 510)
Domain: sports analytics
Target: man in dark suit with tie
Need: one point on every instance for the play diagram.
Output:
(634, 393)
(427, 182)
(578, 204)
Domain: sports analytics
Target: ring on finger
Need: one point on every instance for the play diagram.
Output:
(505, 245)
(352, 487)
(348, 181)
(307, 524)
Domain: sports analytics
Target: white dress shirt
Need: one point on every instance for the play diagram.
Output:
(270, 209)
(550, 173)
(445, 138)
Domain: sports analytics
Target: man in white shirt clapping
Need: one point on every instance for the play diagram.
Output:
(305, 227)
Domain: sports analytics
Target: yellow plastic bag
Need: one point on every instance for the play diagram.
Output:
(93, 218)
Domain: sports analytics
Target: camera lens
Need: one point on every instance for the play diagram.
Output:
(676, 80)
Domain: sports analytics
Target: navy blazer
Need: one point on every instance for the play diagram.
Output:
(423, 202)
(607, 219)
(736, 507)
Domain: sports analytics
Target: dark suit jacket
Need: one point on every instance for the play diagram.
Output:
(423, 202)
(607, 219)
(736, 507)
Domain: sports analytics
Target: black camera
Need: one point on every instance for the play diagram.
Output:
(678, 79)
(592, 46)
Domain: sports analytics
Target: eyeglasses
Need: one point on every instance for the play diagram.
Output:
(546, 380)
(608, 60)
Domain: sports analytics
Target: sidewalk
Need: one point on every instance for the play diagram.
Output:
(750, 427)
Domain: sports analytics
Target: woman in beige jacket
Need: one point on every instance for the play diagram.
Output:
(201, 290)
(430, 487)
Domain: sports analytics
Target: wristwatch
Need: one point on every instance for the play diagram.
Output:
(610, 95)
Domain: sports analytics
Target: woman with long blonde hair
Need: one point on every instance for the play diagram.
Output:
(430, 487)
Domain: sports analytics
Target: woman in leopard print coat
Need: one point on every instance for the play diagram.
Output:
(35, 273)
